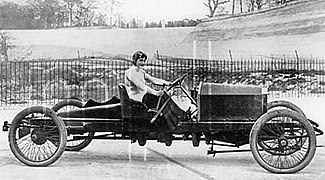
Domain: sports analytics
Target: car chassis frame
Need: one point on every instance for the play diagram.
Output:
(282, 139)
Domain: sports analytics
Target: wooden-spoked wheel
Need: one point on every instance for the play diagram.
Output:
(37, 137)
(72, 143)
(283, 141)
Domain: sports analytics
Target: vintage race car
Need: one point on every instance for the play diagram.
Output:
(281, 138)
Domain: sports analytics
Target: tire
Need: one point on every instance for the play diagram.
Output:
(37, 137)
(70, 102)
(283, 141)
(284, 104)
(73, 145)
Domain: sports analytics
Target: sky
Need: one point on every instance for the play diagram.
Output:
(155, 10)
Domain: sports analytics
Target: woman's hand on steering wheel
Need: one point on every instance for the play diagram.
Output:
(177, 81)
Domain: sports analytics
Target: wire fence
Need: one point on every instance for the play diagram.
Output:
(47, 82)
(26, 83)
(283, 77)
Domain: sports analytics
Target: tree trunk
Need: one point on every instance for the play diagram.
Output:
(251, 5)
(70, 17)
(70, 5)
(111, 15)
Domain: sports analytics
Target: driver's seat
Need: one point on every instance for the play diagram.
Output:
(131, 109)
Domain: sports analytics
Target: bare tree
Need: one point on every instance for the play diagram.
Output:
(5, 45)
(233, 6)
(100, 19)
(250, 5)
(84, 13)
(112, 5)
(46, 11)
(212, 5)
(70, 5)
(81, 12)
(259, 4)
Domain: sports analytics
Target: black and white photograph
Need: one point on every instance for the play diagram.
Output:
(162, 89)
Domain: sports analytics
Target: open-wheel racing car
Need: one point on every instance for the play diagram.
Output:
(281, 138)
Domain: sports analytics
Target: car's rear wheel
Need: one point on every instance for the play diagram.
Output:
(74, 143)
(281, 104)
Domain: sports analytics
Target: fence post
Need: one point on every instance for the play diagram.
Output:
(157, 54)
(298, 72)
(230, 55)
(210, 50)
(78, 53)
(194, 49)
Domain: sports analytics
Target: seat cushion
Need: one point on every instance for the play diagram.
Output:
(92, 103)
(131, 109)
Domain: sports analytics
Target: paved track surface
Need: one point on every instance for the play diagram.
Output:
(121, 160)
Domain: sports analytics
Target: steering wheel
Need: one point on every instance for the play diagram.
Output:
(173, 84)
(177, 81)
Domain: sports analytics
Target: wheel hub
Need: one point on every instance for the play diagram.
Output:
(39, 136)
(283, 142)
